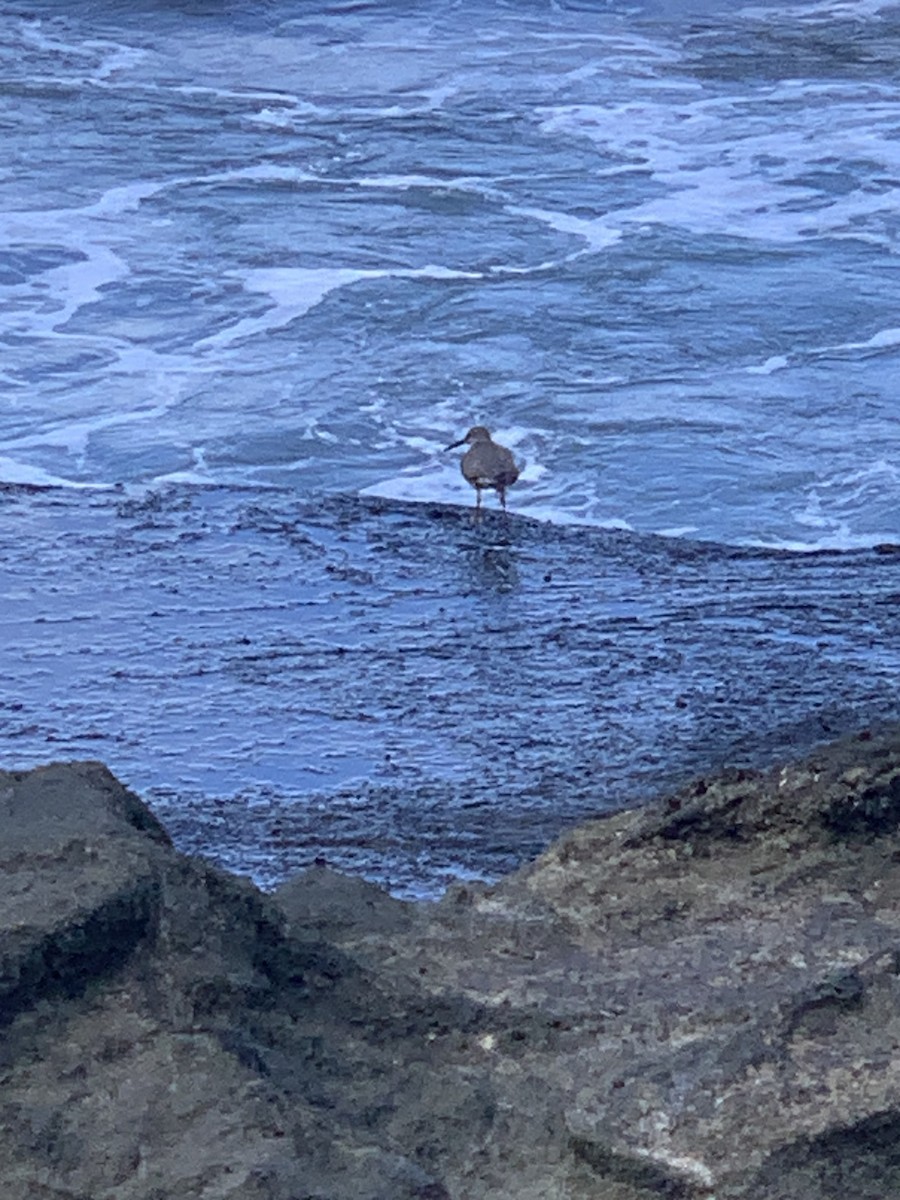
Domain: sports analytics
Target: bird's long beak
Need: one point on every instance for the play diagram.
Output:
(453, 445)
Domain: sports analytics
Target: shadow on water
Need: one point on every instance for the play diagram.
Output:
(406, 693)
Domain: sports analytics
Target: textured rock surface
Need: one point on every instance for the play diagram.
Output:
(411, 695)
(696, 999)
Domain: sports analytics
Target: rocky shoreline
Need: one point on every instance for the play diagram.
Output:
(694, 999)
(410, 695)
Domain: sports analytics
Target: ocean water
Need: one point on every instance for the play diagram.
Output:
(284, 253)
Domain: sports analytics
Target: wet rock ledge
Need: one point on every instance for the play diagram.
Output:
(700, 998)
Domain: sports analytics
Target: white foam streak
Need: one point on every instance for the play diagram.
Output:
(828, 9)
(884, 340)
(296, 290)
(597, 234)
(13, 471)
(745, 165)
(777, 362)
(72, 435)
(85, 232)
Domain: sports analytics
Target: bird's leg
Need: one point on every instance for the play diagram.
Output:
(501, 491)
(477, 514)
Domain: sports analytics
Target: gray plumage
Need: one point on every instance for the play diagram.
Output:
(486, 464)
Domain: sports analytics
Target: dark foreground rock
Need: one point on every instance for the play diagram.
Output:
(697, 999)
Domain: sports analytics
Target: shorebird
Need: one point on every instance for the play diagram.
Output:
(486, 465)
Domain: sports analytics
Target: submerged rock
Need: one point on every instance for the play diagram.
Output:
(698, 998)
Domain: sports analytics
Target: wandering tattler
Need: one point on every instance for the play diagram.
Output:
(486, 465)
